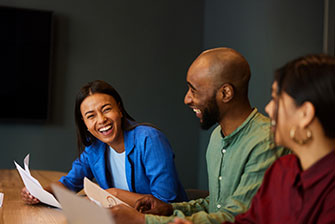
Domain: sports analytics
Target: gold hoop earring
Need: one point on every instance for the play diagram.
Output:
(300, 141)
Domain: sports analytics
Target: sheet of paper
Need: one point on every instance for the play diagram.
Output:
(99, 195)
(35, 188)
(26, 168)
(26, 163)
(81, 210)
(1, 199)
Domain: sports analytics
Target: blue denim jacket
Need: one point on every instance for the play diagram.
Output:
(149, 163)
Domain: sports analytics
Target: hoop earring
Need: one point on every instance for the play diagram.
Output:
(300, 141)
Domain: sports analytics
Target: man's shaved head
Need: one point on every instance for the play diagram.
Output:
(218, 88)
(225, 65)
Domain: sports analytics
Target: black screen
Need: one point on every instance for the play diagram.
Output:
(25, 52)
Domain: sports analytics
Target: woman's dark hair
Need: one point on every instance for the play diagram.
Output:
(311, 78)
(84, 137)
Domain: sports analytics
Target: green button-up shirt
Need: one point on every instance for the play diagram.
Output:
(236, 165)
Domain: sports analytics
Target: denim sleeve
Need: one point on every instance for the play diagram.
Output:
(160, 168)
(80, 169)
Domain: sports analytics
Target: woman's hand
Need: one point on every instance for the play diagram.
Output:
(28, 198)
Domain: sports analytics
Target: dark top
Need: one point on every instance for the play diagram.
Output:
(290, 195)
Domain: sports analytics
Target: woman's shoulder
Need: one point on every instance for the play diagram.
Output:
(287, 162)
(142, 135)
(282, 170)
(146, 130)
(96, 147)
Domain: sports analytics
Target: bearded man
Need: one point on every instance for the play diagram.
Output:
(240, 147)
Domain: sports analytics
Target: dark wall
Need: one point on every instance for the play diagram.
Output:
(268, 34)
(143, 48)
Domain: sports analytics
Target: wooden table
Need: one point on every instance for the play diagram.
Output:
(15, 211)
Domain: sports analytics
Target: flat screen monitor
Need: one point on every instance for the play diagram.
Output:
(25, 61)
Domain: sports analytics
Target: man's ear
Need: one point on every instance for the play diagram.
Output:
(307, 114)
(226, 93)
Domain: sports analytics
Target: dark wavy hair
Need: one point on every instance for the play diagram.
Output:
(311, 78)
(84, 137)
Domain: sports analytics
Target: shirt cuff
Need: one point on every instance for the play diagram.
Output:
(155, 219)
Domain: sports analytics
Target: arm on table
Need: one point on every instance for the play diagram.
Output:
(235, 204)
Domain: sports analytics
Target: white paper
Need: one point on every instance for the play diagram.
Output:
(26, 168)
(81, 210)
(26, 164)
(100, 196)
(1, 198)
(35, 188)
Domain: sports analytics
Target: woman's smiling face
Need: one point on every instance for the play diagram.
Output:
(103, 118)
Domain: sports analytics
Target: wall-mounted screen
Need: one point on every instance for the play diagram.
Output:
(25, 56)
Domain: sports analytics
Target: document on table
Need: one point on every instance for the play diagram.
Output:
(81, 210)
(100, 196)
(34, 187)
(1, 199)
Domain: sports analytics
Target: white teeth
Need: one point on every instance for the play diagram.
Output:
(105, 128)
(196, 110)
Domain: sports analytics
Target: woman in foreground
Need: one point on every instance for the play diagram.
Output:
(300, 188)
(122, 155)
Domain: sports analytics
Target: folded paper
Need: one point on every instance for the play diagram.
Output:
(81, 210)
(34, 187)
(100, 196)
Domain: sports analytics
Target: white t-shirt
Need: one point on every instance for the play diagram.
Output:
(117, 167)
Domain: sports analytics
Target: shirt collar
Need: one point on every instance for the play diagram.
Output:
(325, 166)
(319, 170)
(129, 140)
(227, 139)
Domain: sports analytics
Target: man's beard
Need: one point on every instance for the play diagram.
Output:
(210, 115)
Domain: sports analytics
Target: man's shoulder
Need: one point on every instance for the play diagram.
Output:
(255, 136)
(260, 120)
(259, 124)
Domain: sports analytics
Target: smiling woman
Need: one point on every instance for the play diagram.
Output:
(125, 157)
(103, 119)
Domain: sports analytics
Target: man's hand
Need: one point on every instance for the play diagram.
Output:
(124, 214)
(28, 198)
(151, 205)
